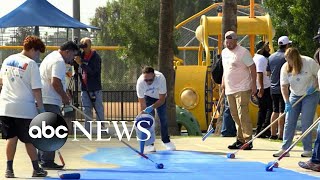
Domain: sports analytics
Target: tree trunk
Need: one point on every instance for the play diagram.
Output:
(166, 60)
(229, 23)
(229, 16)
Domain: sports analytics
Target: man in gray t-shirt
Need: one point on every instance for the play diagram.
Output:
(276, 60)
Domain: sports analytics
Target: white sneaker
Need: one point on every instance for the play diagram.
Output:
(306, 154)
(280, 152)
(149, 148)
(170, 146)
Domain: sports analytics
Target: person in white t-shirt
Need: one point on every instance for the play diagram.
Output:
(299, 74)
(314, 162)
(53, 73)
(263, 86)
(239, 84)
(21, 88)
(152, 91)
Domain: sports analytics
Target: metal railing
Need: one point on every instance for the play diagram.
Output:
(118, 106)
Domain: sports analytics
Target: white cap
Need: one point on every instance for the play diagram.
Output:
(230, 35)
(284, 40)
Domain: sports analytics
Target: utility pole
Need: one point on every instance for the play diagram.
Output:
(76, 37)
(76, 15)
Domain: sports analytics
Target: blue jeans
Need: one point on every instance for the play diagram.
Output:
(162, 113)
(316, 151)
(228, 126)
(87, 106)
(307, 108)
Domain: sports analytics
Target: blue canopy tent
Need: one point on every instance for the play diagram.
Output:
(40, 13)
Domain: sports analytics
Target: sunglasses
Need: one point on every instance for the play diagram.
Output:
(149, 80)
(229, 37)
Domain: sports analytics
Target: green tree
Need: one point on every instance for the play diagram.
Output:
(134, 25)
(22, 33)
(298, 19)
(115, 73)
(186, 8)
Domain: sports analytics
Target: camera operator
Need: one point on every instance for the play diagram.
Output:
(90, 75)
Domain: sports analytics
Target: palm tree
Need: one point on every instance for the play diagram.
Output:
(229, 16)
(166, 59)
(229, 23)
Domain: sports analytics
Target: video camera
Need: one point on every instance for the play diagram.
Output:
(80, 46)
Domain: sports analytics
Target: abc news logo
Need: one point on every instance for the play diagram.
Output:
(49, 131)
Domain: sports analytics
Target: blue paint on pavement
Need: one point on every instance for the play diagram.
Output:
(186, 165)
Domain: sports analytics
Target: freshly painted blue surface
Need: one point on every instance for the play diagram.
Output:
(185, 165)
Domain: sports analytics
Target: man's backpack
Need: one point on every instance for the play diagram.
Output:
(217, 71)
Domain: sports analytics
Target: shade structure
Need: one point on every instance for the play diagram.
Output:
(40, 13)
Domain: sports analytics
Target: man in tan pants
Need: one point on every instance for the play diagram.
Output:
(239, 83)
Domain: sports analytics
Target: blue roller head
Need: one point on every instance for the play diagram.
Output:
(70, 176)
(231, 155)
(145, 120)
(159, 166)
(269, 165)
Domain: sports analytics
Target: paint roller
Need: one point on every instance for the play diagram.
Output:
(70, 175)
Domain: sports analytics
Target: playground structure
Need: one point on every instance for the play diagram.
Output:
(199, 46)
(194, 87)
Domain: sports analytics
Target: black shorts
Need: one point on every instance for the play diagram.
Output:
(277, 103)
(15, 127)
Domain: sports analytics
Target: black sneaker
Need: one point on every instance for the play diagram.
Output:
(51, 166)
(39, 173)
(9, 174)
(263, 135)
(249, 147)
(228, 135)
(235, 145)
(275, 137)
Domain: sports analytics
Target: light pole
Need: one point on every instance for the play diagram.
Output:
(76, 15)
(2, 30)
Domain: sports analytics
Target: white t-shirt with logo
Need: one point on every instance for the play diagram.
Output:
(157, 87)
(261, 67)
(53, 65)
(20, 75)
(301, 82)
